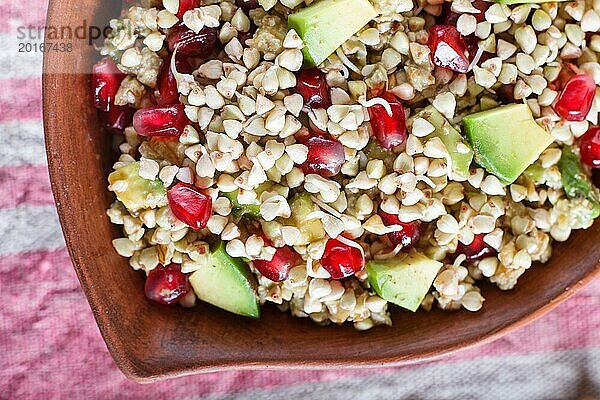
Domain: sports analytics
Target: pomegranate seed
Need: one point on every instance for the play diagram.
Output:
(449, 17)
(283, 260)
(190, 205)
(448, 48)
(167, 120)
(477, 250)
(189, 43)
(325, 155)
(166, 92)
(185, 5)
(390, 130)
(166, 285)
(341, 260)
(312, 86)
(590, 147)
(279, 267)
(106, 79)
(575, 100)
(247, 5)
(118, 118)
(408, 236)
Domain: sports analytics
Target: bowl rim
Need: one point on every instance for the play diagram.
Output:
(51, 88)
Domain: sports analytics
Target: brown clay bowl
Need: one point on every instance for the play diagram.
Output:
(149, 341)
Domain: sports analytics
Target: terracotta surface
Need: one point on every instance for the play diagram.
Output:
(149, 341)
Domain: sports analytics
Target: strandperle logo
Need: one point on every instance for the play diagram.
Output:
(64, 33)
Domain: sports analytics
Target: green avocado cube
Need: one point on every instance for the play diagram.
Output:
(506, 140)
(326, 24)
(253, 209)
(575, 182)
(404, 279)
(310, 230)
(241, 209)
(137, 193)
(374, 150)
(535, 172)
(226, 282)
(460, 151)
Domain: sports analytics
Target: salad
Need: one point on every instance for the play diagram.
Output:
(340, 157)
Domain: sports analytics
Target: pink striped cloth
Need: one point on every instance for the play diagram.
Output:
(51, 348)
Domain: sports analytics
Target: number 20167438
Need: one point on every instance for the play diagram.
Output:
(44, 47)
